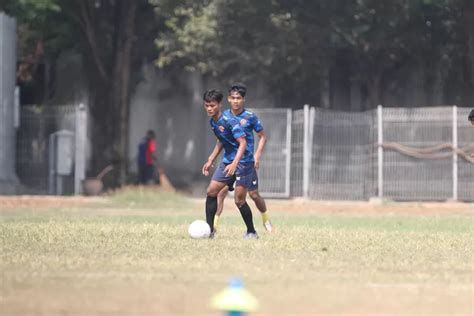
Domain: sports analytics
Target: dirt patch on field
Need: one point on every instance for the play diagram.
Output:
(300, 206)
(296, 206)
(306, 206)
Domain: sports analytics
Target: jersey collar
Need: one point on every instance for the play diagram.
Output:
(243, 110)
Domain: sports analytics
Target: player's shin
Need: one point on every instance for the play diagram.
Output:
(211, 209)
(247, 216)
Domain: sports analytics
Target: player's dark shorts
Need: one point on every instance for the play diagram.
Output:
(245, 176)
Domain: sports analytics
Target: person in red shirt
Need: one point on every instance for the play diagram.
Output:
(147, 159)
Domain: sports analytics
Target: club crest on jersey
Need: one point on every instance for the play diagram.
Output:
(243, 121)
(221, 128)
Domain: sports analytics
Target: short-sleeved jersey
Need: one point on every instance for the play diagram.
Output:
(249, 123)
(227, 130)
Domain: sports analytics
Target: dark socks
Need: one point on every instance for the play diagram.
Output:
(211, 209)
(247, 216)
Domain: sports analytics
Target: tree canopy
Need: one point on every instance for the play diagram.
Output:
(325, 52)
(294, 45)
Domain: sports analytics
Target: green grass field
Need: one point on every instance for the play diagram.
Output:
(129, 254)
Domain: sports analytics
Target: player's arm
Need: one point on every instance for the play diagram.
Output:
(215, 152)
(262, 140)
(258, 128)
(212, 157)
(230, 169)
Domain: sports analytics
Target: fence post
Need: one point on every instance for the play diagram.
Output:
(289, 124)
(455, 154)
(80, 154)
(306, 153)
(380, 150)
(312, 114)
(16, 104)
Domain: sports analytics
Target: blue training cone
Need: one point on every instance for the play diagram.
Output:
(235, 300)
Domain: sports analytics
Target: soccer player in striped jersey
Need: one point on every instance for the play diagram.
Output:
(237, 164)
(249, 123)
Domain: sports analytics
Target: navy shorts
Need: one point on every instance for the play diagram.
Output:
(245, 175)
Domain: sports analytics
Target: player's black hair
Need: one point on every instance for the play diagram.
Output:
(240, 88)
(150, 134)
(212, 95)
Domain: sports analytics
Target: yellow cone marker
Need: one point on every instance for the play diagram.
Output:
(235, 300)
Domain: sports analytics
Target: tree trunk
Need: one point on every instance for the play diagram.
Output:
(468, 20)
(121, 90)
(434, 83)
(102, 126)
(374, 91)
(109, 78)
(325, 86)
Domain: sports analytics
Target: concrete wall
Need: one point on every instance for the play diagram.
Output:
(8, 180)
(172, 106)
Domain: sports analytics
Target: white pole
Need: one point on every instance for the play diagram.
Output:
(3, 42)
(380, 150)
(288, 152)
(312, 114)
(306, 158)
(16, 113)
(455, 154)
(80, 154)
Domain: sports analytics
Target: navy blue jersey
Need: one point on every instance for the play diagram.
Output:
(249, 123)
(227, 130)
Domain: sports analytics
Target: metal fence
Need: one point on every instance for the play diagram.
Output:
(275, 169)
(341, 155)
(465, 168)
(397, 153)
(426, 154)
(51, 149)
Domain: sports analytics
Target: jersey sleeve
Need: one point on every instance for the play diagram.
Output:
(257, 125)
(237, 130)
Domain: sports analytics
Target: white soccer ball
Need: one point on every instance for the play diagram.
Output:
(199, 229)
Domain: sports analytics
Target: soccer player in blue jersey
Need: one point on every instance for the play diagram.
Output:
(250, 123)
(237, 164)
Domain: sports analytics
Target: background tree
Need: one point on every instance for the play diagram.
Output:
(296, 47)
(467, 14)
(113, 39)
(108, 34)
(302, 51)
